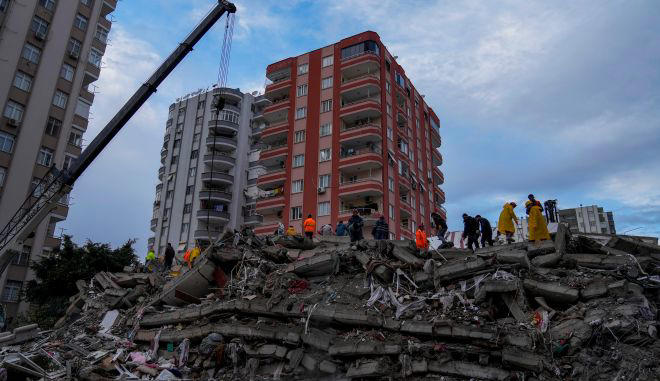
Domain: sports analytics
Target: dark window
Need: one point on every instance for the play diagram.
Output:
(53, 126)
(360, 48)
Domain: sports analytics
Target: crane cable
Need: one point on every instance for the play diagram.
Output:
(223, 72)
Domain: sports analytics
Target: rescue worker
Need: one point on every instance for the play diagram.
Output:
(355, 224)
(341, 229)
(440, 226)
(326, 230)
(309, 226)
(381, 230)
(169, 256)
(194, 253)
(280, 228)
(291, 231)
(505, 222)
(471, 231)
(421, 241)
(486, 231)
(538, 228)
(150, 260)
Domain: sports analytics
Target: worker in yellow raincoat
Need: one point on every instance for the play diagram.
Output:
(505, 222)
(538, 228)
(191, 255)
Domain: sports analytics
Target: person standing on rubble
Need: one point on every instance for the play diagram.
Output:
(538, 228)
(421, 241)
(291, 231)
(440, 226)
(355, 224)
(381, 230)
(486, 231)
(341, 229)
(309, 226)
(169, 256)
(471, 231)
(150, 260)
(505, 222)
(280, 228)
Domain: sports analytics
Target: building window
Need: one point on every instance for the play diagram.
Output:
(302, 69)
(326, 83)
(175, 160)
(194, 154)
(327, 61)
(3, 173)
(23, 81)
(199, 120)
(297, 186)
(189, 190)
(326, 129)
(326, 105)
(229, 116)
(298, 161)
(299, 137)
(23, 258)
(192, 172)
(324, 181)
(95, 57)
(14, 111)
(187, 208)
(302, 90)
(45, 157)
(324, 154)
(324, 208)
(390, 184)
(31, 53)
(36, 187)
(12, 291)
(196, 137)
(177, 143)
(3, 5)
(389, 109)
(388, 86)
(60, 98)
(83, 108)
(39, 27)
(368, 46)
(200, 105)
(403, 146)
(68, 160)
(168, 196)
(73, 49)
(296, 212)
(391, 212)
(389, 133)
(75, 137)
(48, 4)
(6, 142)
(53, 126)
(80, 22)
(101, 34)
(301, 112)
(67, 72)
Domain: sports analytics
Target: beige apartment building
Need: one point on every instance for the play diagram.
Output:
(50, 55)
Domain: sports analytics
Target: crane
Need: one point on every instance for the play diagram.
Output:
(58, 183)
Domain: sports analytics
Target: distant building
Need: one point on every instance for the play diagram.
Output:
(588, 219)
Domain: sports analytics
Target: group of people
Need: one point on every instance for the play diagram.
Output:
(352, 228)
(152, 262)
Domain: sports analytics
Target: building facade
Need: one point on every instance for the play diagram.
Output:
(588, 219)
(346, 129)
(50, 55)
(204, 165)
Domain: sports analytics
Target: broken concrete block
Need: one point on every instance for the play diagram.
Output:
(547, 260)
(457, 269)
(599, 261)
(562, 236)
(577, 327)
(324, 264)
(595, 289)
(381, 271)
(551, 291)
(368, 369)
(406, 257)
(518, 340)
(522, 359)
(420, 366)
(468, 370)
(633, 246)
(318, 339)
(495, 287)
(513, 256)
(540, 248)
(329, 367)
(267, 351)
(363, 349)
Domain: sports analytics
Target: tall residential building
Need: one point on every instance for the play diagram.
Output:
(204, 166)
(588, 219)
(346, 129)
(50, 54)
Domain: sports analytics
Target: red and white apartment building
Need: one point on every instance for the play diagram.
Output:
(345, 129)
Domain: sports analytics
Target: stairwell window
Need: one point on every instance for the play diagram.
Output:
(67, 72)
(31, 53)
(75, 137)
(80, 22)
(326, 83)
(187, 208)
(39, 26)
(297, 186)
(194, 154)
(324, 154)
(326, 105)
(74, 47)
(45, 157)
(326, 129)
(324, 208)
(101, 34)
(391, 212)
(327, 61)
(95, 57)
(301, 112)
(390, 184)
(23, 81)
(192, 171)
(296, 212)
(6, 142)
(303, 69)
(301, 90)
(14, 110)
(299, 137)
(53, 126)
(60, 99)
(48, 4)
(298, 161)
(68, 160)
(324, 181)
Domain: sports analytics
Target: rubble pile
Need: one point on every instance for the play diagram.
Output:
(255, 309)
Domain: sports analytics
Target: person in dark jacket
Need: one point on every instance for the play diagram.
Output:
(355, 224)
(486, 231)
(381, 230)
(341, 229)
(169, 256)
(440, 226)
(471, 231)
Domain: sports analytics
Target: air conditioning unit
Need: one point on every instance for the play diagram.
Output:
(321, 190)
(13, 123)
(40, 36)
(74, 54)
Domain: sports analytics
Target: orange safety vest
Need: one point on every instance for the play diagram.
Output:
(310, 225)
(420, 240)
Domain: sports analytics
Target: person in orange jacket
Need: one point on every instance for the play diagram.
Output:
(420, 239)
(309, 226)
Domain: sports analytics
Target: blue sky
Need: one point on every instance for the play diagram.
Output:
(559, 99)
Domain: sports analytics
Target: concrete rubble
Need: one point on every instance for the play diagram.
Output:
(256, 309)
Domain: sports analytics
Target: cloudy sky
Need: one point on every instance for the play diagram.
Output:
(560, 99)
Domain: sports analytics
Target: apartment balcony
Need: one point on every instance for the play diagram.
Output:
(219, 126)
(161, 172)
(274, 132)
(272, 204)
(440, 195)
(213, 216)
(151, 241)
(401, 119)
(438, 177)
(277, 112)
(272, 178)
(217, 177)
(360, 157)
(436, 140)
(163, 154)
(370, 80)
(231, 95)
(359, 98)
(253, 219)
(360, 70)
(215, 195)
(108, 7)
(208, 235)
(154, 223)
(221, 143)
(361, 133)
(361, 187)
(52, 242)
(219, 160)
(275, 152)
(366, 56)
(369, 215)
(436, 158)
(405, 208)
(281, 85)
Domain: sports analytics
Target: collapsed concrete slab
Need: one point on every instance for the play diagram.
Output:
(469, 370)
(513, 256)
(522, 359)
(552, 291)
(323, 264)
(456, 269)
(540, 248)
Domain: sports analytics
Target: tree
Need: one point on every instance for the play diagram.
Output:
(56, 275)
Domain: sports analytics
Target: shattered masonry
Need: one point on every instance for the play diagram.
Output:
(564, 309)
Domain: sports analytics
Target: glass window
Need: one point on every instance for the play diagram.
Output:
(389, 133)
(175, 160)
(296, 212)
(297, 186)
(3, 173)
(391, 184)
(299, 137)
(73, 48)
(31, 53)
(3, 5)
(326, 105)
(200, 105)
(327, 61)
(39, 27)
(14, 111)
(324, 208)
(389, 109)
(199, 120)
(82, 108)
(60, 98)
(192, 171)
(229, 116)
(326, 83)
(53, 126)
(194, 154)
(75, 137)
(302, 69)
(187, 208)
(86, 2)
(6, 142)
(12, 291)
(324, 154)
(23, 81)
(326, 129)
(80, 22)
(48, 4)
(324, 181)
(301, 112)
(67, 72)
(391, 212)
(360, 48)
(101, 34)
(189, 190)
(388, 87)
(302, 90)
(298, 161)
(95, 57)
(68, 160)
(45, 157)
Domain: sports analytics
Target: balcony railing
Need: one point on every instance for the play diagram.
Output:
(359, 126)
(274, 146)
(360, 180)
(361, 100)
(363, 76)
(348, 152)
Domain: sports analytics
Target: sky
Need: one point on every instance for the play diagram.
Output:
(560, 99)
